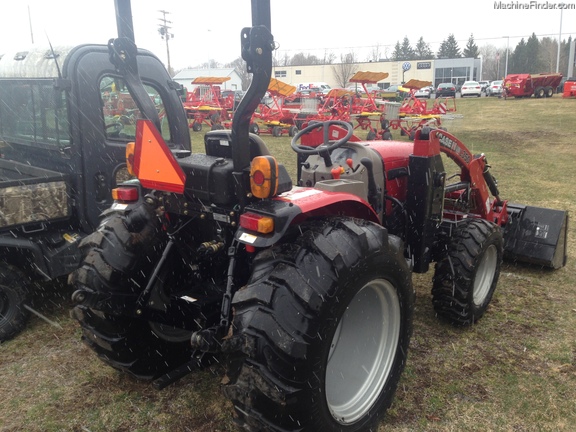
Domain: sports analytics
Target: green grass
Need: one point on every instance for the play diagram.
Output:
(513, 371)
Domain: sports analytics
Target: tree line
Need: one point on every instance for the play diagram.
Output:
(532, 55)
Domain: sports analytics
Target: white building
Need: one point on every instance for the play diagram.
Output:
(186, 76)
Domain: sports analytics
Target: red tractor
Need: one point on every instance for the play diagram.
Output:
(305, 290)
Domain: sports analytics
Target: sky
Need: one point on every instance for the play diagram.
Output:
(211, 29)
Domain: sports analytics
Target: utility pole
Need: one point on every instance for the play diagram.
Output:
(164, 30)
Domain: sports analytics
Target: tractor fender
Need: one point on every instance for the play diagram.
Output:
(296, 206)
(24, 253)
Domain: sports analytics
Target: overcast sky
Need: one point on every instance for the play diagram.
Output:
(211, 29)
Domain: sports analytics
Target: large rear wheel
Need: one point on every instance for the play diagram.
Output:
(323, 328)
(118, 259)
(465, 279)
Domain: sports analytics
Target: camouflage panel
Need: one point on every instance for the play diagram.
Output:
(33, 203)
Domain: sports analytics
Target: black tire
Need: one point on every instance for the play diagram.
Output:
(254, 128)
(387, 136)
(117, 258)
(539, 92)
(276, 131)
(292, 130)
(196, 126)
(14, 292)
(371, 136)
(465, 279)
(549, 91)
(300, 334)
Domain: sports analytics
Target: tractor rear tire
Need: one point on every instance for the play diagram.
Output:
(14, 292)
(466, 277)
(321, 330)
(117, 259)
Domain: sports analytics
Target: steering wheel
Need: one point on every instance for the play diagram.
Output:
(116, 128)
(326, 146)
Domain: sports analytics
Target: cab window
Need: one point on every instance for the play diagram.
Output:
(120, 112)
(34, 113)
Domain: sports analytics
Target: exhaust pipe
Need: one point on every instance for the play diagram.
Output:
(536, 235)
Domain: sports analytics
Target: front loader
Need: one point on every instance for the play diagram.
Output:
(303, 288)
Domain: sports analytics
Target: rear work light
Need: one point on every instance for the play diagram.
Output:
(257, 223)
(125, 193)
(264, 176)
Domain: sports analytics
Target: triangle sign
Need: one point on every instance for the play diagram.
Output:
(154, 164)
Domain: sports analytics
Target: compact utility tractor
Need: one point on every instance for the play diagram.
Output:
(303, 289)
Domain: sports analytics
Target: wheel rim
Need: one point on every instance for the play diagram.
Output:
(363, 350)
(485, 275)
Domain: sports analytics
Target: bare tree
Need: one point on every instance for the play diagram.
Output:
(491, 56)
(375, 54)
(548, 53)
(344, 70)
(240, 66)
(329, 57)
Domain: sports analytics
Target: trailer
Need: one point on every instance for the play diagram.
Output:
(526, 85)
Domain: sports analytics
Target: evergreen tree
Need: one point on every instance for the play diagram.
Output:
(397, 52)
(532, 48)
(518, 61)
(423, 51)
(403, 51)
(407, 50)
(449, 48)
(471, 49)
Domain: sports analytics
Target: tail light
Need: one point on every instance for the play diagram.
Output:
(125, 193)
(256, 222)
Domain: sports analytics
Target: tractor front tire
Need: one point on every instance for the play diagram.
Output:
(321, 330)
(466, 277)
(117, 259)
(14, 291)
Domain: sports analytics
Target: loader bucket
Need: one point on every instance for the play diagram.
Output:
(536, 235)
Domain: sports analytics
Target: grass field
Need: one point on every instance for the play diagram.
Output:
(514, 371)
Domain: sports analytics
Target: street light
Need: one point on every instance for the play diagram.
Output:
(507, 47)
(559, 43)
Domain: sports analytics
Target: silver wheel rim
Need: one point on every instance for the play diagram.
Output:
(362, 351)
(485, 275)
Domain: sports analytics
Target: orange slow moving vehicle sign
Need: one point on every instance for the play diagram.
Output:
(154, 164)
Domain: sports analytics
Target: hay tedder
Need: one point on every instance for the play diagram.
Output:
(273, 116)
(205, 105)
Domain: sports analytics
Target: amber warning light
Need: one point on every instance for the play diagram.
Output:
(154, 164)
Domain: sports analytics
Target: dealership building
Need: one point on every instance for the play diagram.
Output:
(455, 70)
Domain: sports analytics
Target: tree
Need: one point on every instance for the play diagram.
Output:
(490, 59)
(240, 66)
(547, 54)
(532, 48)
(374, 55)
(423, 51)
(344, 70)
(471, 49)
(403, 51)
(301, 59)
(449, 48)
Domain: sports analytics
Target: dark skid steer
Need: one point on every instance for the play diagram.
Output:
(306, 290)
